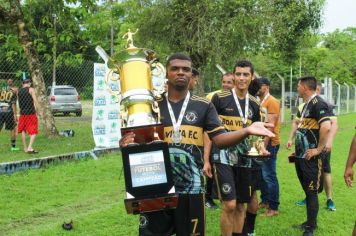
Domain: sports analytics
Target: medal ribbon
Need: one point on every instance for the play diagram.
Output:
(176, 124)
(264, 99)
(243, 118)
(304, 110)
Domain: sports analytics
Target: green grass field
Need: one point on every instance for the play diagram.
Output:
(36, 202)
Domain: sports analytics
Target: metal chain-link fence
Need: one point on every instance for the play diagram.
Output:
(70, 101)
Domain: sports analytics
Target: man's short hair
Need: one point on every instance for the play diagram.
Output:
(195, 72)
(178, 56)
(244, 63)
(228, 74)
(254, 86)
(309, 81)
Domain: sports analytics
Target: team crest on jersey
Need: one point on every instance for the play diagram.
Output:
(226, 188)
(250, 114)
(191, 117)
(143, 221)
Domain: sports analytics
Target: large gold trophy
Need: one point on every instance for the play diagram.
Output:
(146, 162)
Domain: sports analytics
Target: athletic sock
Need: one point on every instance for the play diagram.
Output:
(249, 224)
(13, 143)
(312, 209)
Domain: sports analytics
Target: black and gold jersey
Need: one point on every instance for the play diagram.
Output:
(187, 157)
(307, 135)
(7, 99)
(226, 107)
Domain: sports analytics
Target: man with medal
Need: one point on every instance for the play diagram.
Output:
(185, 117)
(237, 177)
(269, 181)
(313, 125)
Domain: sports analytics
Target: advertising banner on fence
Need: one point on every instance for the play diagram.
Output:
(106, 123)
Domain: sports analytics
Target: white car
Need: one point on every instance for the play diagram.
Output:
(64, 99)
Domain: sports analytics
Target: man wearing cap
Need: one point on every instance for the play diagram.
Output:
(28, 119)
(269, 182)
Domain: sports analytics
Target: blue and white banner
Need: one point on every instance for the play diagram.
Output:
(106, 122)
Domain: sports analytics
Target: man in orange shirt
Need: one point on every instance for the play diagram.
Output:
(269, 182)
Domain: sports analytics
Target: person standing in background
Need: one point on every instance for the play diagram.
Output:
(8, 113)
(28, 119)
(269, 181)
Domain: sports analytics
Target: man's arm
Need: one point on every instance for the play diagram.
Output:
(33, 95)
(323, 136)
(349, 173)
(332, 133)
(294, 127)
(207, 150)
(230, 138)
(14, 111)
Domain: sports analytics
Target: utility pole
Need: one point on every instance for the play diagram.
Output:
(54, 50)
(112, 32)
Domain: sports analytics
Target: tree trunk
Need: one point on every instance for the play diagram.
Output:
(44, 112)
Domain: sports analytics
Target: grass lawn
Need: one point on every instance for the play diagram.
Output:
(36, 202)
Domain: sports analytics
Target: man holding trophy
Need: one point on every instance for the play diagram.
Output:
(185, 118)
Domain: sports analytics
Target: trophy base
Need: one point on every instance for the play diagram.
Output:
(137, 206)
(261, 157)
(145, 133)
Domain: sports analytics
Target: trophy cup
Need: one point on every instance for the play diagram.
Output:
(146, 162)
(256, 143)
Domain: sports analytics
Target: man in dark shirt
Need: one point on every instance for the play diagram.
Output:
(8, 114)
(185, 118)
(311, 138)
(28, 119)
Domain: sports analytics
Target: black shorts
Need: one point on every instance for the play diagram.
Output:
(8, 119)
(310, 174)
(236, 183)
(326, 162)
(187, 219)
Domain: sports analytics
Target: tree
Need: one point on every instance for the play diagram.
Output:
(12, 14)
(221, 31)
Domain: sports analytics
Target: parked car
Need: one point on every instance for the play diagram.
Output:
(64, 99)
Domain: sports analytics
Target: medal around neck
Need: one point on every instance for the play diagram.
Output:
(146, 162)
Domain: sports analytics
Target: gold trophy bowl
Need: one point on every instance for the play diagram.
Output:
(146, 162)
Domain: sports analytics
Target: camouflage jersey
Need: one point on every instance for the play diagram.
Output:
(307, 135)
(226, 107)
(187, 157)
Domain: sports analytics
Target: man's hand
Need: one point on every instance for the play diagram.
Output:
(310, 153)
(127, 139)
(16, 119)
(349, 176)
(260, 129)
(289, 144)
(207, 170)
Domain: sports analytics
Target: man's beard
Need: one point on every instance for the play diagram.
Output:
(180, 86)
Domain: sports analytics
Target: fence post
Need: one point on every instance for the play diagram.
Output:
(347, 97)
(338, 102)
(330, 87)
(282, 97)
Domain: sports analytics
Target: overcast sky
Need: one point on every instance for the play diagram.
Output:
(339, 14)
